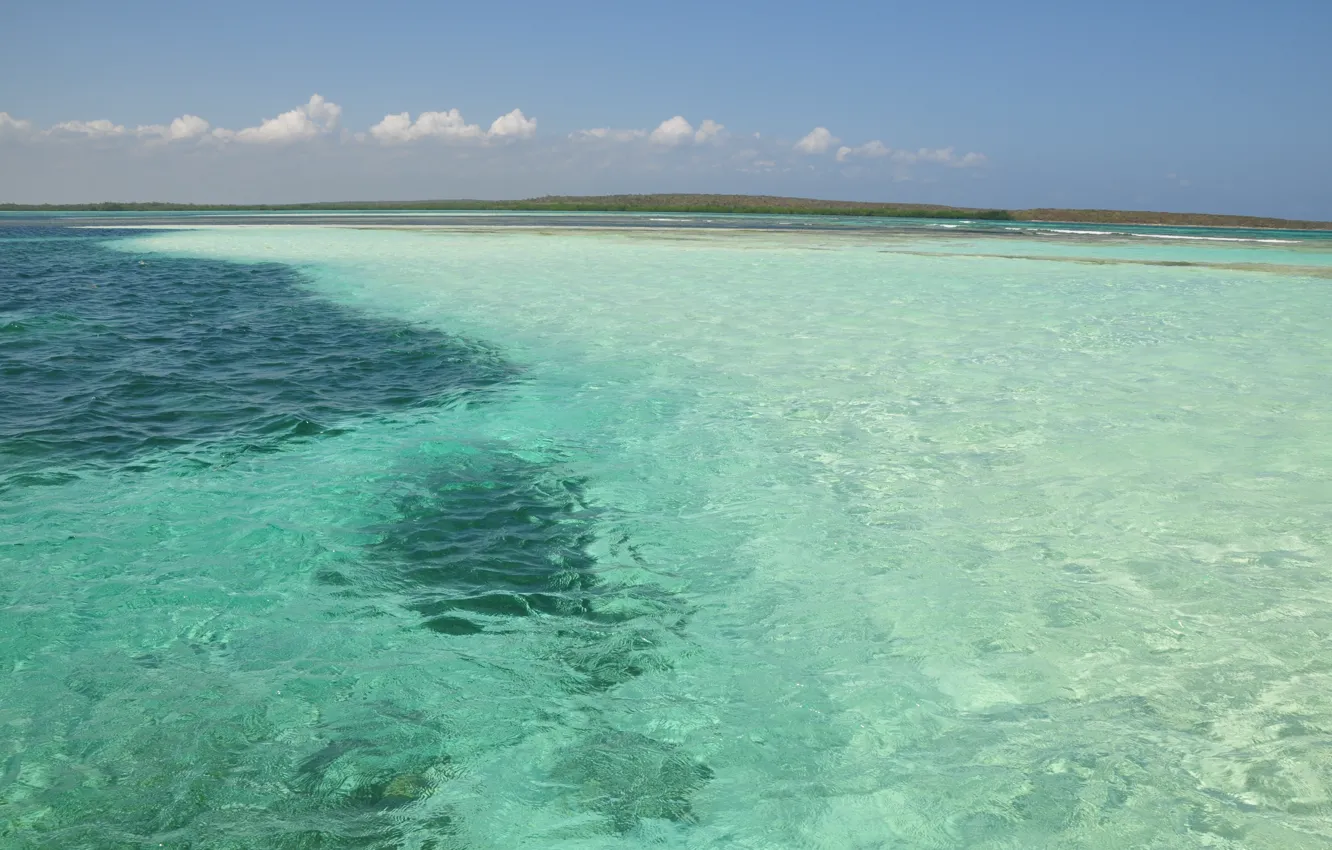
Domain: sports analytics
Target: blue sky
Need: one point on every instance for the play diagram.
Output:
(1209, 106)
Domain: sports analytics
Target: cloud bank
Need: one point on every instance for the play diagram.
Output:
(450, 126)
(607, 134)
(399, 129)
(939, 156)
(91, 129)
(188, 158)
(672, 133)
(320, 117)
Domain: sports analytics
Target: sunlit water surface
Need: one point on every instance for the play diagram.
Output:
(494, 537)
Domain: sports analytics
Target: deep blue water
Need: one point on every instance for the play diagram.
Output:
(107, 359)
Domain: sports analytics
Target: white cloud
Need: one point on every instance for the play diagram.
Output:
(184, 127)
(938, 156)
(673, 131)
(669, 133)
(942, 156)
(9, 125)
(450, 125)
(399, 127)
(710, 131)
(872, 149)
(817, 141)
(607, 134)
(759, 166)
(315, 118)
(323, 112)
(91, 129)
(514, 125)
(187, 127)
(437, 125)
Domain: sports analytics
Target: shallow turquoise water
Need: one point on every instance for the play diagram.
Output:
(683, 538)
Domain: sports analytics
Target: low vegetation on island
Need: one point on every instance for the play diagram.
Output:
(717, 204)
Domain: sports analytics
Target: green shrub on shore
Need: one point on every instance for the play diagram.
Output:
(714, 204)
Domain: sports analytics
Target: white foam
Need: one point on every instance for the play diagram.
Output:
(1141, 235)
(1214, 238)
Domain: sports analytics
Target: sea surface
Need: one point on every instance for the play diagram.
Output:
(474, 532)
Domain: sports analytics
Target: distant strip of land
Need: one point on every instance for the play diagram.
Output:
(751, 204)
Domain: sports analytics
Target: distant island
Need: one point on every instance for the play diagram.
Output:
(752, 204)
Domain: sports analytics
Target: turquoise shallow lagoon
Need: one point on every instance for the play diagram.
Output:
(568, 532)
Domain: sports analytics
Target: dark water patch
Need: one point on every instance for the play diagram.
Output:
(490, 538)
(107, 357)
(490, 527)
(488, 544)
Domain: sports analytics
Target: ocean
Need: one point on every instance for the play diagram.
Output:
(465, 532)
